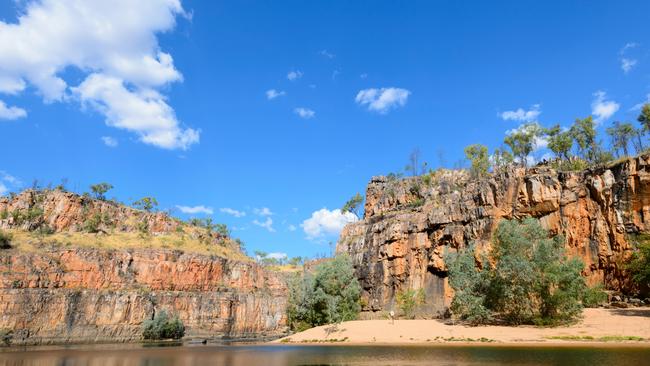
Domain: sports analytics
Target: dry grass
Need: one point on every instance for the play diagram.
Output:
(34, 242)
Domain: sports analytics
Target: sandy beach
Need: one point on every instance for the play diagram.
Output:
(598, 326)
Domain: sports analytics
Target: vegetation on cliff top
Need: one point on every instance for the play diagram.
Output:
(525, 278)
(328, 295)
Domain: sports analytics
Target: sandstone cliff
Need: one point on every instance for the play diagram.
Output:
(409, 224)
(68, 285)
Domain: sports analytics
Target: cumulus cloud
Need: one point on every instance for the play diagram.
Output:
(522, 115)
(109, 141)
(7, 180)
(601, 108)
(294, 75)
(304, 113)
(263, 211)
(114, 45)
(10, 112)
(193, 210)
(232, 212)
(272, 94)
(267, 224)
(627, 64)
(292, 228)
(325, 222)
(382, 100)
(277, 255)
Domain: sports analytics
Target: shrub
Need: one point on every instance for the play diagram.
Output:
(146, 203)
(639, 265)
(594, 296)
(163, 327)
(329, 295)
(409, 300)
(531, 281)
(5, 240)
(6, 336)
(99, 190)
(91, 224)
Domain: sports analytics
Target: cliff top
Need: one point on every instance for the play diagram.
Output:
(40, 219)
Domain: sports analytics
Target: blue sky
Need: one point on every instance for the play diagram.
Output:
(182, 89)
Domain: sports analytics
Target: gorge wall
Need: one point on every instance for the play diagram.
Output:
(409, 224)
(53, 292)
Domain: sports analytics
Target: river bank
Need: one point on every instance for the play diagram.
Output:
(598, 326)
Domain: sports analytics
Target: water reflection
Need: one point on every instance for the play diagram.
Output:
(199, 355)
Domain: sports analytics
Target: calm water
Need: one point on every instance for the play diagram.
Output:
(125, 355)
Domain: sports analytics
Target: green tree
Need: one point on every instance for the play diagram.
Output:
(583, 132)
(501, 159)
(478, 156)
(559, 142)
(621, 134)
(644, 117)
(409, 300)
(146, 203)
(531, 279)
(99, 190)
(414, 166)
(330, 295)
(639, 265)
(353, 205)
(522, 141)
(162, 326)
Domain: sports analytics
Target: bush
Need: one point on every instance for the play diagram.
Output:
(163, 327)
(5, 240)
(531, 281)
(409, 300)
(639, 265)
(594, 296)
(329, 295)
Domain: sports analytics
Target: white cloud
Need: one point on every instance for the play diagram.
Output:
(327, 54)
(11, 112)
(272, 94)
(638, 106)
(267, 224)
(109, 141)
(522, 115)
(263, 211)
(114, 45)
(3, 189)
(292, 228)
(627, 64)
(363, 76)
(193, 210)
(277, 255)
(9, 178)
(382, 100)
(325, 222)
(304, 113)
(294, 75)
(601, 108)
(232, 212)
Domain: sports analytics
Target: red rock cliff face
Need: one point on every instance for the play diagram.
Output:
(409, 224)
(87, 295)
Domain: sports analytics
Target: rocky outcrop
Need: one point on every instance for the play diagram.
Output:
(89, 295)
(410, 224)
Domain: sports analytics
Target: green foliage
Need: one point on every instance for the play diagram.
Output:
(531, 281)
(146, 203)
(94, 223)
(478, 156)
(353, 205)
(501, 159)
(99, 190)
(4, 214)
(559, 142)
(639, 265)
(583, 132)
(329, 295)
(621, 135)
(163, 327)
(5, 240)
(644, 117)
(222, 230)
(522, 141)
(409, 300)
(6, 336)
(594, 296)
(571, 165)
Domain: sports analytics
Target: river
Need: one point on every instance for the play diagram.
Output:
(281, 355)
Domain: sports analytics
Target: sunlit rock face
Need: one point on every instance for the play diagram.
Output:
(88, 295)
(410, 224)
